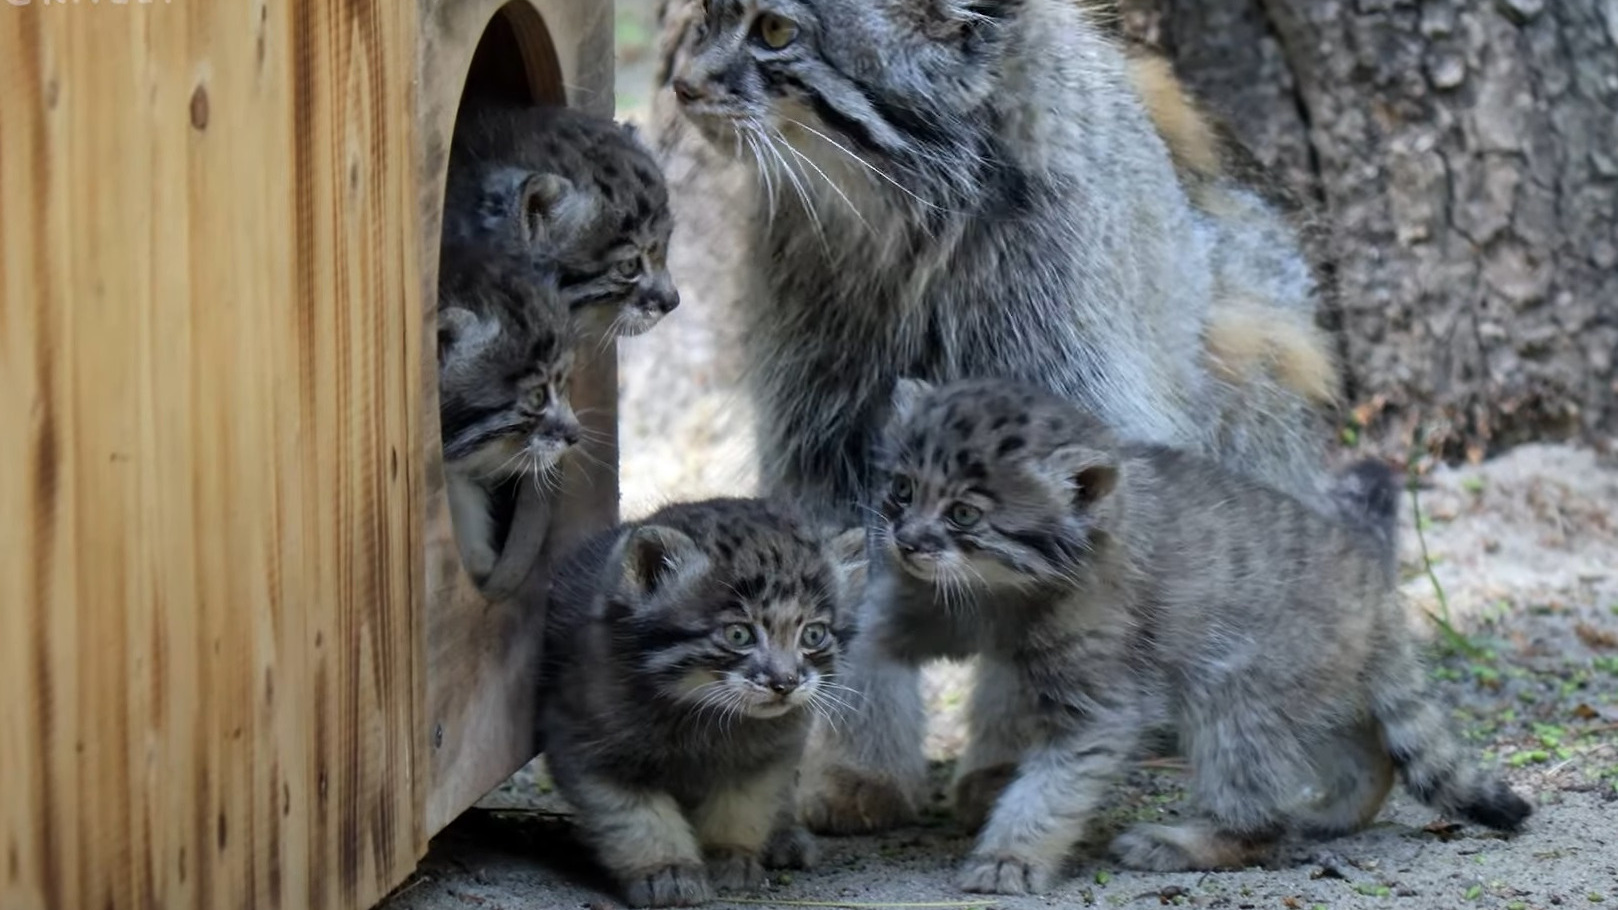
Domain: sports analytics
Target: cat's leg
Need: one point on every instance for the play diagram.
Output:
(472, 523)
(735, 823)
(1000, 728)
(1354, 775)
(644, 841)
(865, 770)
(791, 845)
(1047, 806)
(1248, 768)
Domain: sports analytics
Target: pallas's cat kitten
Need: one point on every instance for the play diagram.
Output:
(579, 189)
(505, 354)
(685, 658)
(1111, 590)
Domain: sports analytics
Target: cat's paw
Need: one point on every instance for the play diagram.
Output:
(734, 870)
(977, 791)
(1152, 848)
(1003, 874)
(668, 886)
(791, 848)
(840, 800)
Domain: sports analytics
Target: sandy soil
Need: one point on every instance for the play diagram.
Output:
(1523, 548)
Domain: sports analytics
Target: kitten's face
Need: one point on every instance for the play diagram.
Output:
(986, 484)
(739, 621)
(608, 234)
(505, 361)
(883, 80)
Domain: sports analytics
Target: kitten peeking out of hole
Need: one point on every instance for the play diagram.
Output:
(575, 189)
(505, 357)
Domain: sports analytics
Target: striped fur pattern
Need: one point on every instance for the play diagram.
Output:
(505, 358)
(963, 188)
(1112, 589)
(686, 656)
(578, 189)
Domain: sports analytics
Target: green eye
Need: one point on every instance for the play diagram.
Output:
(738, 635)
(814, 635)
(776, 32)
(965, 515)
(903, 489)
(628, 269)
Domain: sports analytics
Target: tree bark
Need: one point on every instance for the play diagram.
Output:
(1466, 156)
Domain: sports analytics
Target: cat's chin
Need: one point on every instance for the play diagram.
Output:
(770, 710)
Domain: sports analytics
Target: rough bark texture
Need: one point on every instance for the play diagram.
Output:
(1467, 157)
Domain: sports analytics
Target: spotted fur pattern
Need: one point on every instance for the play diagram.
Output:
(579, 189)
(1111, 589)
(686, 656)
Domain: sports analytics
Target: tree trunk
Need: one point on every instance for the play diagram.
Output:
(1467, 158)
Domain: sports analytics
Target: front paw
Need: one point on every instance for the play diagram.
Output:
(668, 886)
(1003, 874)
(977, 791)
(733, 870)
(843, 801)
(791, 848)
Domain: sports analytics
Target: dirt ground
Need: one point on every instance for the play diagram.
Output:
(1523, 556)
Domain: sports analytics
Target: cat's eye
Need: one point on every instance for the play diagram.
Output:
(738, 635)
(776, 32)
(628, 269)
(965, 515)
(902, 489)
(814, 635)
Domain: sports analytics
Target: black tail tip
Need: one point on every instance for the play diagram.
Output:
(1500, 808)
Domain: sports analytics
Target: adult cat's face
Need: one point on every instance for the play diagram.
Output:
(885, 80)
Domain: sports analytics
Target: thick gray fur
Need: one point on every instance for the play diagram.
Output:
(576, 188)
(678, 746)
(1111, 589)
(505, 360)
(961, 188)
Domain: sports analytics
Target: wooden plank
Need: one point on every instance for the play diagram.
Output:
(482, 650)
(209, 545)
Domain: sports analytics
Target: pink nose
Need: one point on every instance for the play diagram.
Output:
(685, 91)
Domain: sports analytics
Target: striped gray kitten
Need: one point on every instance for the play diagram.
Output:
(505, 356)
(573, 187)
(685, 657)
(1111, 590)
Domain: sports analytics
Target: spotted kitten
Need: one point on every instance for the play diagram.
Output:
(505, 354)
(577, 188)
(685, 657)
(1111, 590)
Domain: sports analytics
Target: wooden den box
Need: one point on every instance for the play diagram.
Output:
(240, 665)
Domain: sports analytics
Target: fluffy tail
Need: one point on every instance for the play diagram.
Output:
(1431, 761)
(1366, 494)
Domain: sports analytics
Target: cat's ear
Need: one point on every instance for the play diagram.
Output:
(845, 552)
(1089, 475)
(461, 331)
(907, 393)
(655, 557)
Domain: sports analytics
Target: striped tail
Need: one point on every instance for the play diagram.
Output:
(1431, 761)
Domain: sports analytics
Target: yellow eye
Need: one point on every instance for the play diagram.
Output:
(776, 32)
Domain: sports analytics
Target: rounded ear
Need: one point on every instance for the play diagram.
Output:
(846, 554)
(655, 557)
(1089, 475)
(907, 394)
(550, 206)
(460, 329)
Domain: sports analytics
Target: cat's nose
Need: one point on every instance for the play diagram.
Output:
(783, 685)
(666, 301)
(685, 90)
